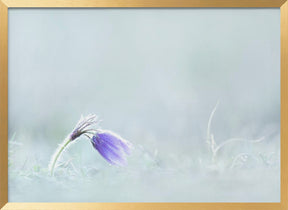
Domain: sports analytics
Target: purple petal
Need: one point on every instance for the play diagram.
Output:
(112, 147)
(115, 141)
(111, 155)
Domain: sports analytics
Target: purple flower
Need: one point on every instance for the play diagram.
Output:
(111, 146)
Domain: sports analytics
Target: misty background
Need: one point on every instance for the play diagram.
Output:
(153, 76)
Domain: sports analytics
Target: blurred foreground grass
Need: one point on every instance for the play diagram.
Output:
(150, 176)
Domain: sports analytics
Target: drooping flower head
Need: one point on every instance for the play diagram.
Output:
(111, 146)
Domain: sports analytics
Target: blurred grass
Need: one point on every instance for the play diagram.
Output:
(242, 171)
(149, 177)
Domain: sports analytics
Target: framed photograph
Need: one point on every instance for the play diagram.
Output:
(144, 104)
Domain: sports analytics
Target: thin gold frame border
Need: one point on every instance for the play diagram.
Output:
(6, 4)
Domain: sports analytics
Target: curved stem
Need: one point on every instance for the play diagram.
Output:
(58, 153)
(210, 122)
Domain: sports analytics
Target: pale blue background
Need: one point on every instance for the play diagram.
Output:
(153, 76)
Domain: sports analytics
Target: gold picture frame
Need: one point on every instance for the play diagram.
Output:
(6, 4)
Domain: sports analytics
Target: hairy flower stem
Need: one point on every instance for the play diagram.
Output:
(58, 153)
